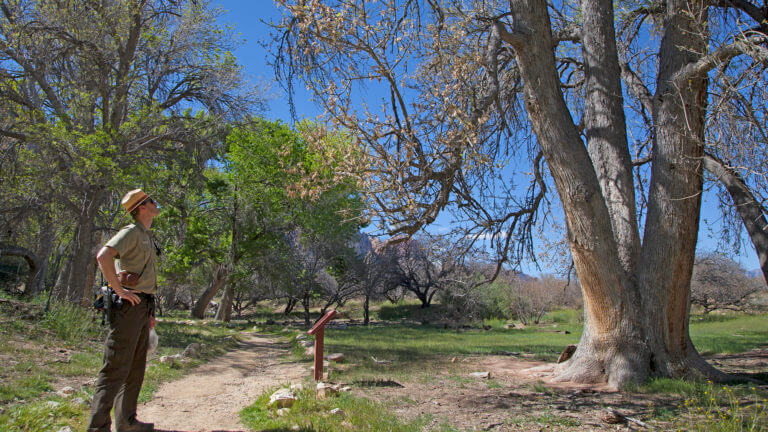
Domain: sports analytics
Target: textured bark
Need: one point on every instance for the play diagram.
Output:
(672, 222)
(605, 127)
(219, 279)
(47, 238)
(751, 212)
(224, 313)
(636, 298)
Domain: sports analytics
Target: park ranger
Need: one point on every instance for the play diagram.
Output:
(128, 262)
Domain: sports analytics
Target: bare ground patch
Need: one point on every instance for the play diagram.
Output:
(521, 396)
(211, 396)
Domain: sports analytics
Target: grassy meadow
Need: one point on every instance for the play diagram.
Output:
(44, 352)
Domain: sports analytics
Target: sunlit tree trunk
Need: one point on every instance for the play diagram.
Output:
(636, 300)
(220, 276)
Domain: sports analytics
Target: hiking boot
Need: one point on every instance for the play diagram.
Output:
(136, 426)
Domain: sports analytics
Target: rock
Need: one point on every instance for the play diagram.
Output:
(309, 351)
(483, 375)
(66, 391)
(345, 389)
(52, 404)
(283, 398)
(65, 429)
(335, 357)
(297, 387)
(78, 401)
(325, 390)
(519, 326)
(169, 360)
(283, 411)
(192, 350)
(336, 412)
(301, 336)
(567, 353)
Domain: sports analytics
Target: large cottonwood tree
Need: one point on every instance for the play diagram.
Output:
(469, 86)
(91, 93)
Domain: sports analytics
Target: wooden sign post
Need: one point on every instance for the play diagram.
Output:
(318, 331)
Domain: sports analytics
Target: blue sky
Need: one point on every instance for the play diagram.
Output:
(247, 15)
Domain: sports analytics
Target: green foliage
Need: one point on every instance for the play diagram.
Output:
(71, 323)
(43, 416)
(721, 409)
(313, 414)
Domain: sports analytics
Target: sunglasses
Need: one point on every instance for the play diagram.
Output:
(149, 201)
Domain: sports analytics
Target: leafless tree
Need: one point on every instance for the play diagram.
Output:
(721, 283)
(470, 86)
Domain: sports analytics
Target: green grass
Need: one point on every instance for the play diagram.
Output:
(732, 333)
(406, 347)
(309, 413)
(68, 342)
(44, 415)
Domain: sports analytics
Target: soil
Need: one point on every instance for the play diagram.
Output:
(209, 398)
(518, 396)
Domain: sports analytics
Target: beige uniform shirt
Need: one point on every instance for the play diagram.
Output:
(136, 254)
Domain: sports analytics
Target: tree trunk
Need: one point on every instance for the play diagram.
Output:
(306, 303)
(33, 261)
(290, 305)
(59, 290)
(219, 278)
(751, 212)
(47, 238)
(636, 301)
(225, 306)
(367, 309)
(82, 256)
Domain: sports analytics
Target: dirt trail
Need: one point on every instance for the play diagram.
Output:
(209, 398)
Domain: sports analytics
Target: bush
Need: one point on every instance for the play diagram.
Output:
(70, 322)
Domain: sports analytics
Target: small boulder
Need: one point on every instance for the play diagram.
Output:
(335, 357)
(78, 401)
(283, 398)
(336, 412)
(283, 411)
(483, 375)
(325, 390)
(65, 429)
(52, 404)
(66, 391)
(169, 360)
(192, 350)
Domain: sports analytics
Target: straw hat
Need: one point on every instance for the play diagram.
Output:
(133, 199)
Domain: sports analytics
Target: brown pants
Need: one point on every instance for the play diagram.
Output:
(125, 358)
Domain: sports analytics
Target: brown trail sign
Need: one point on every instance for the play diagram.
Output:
(318, 331)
